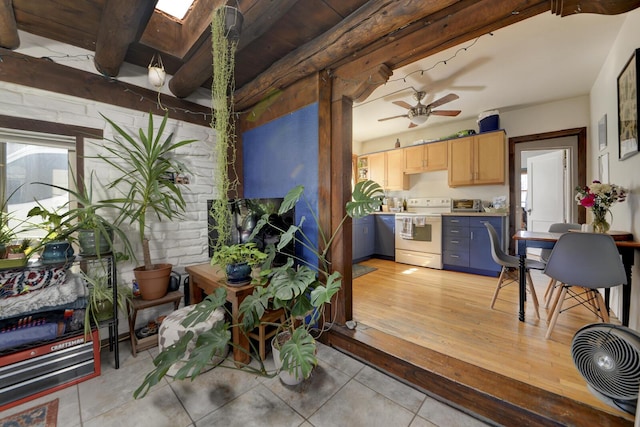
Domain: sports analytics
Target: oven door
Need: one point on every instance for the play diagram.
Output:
(423, 235)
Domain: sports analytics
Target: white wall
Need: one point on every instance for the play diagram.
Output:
(180, 243)
(604, 99)
(557, 115)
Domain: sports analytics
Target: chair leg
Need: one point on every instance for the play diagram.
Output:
(557, 308)
(602, 307)
(548, 293)
(503, 272)
(534, 297)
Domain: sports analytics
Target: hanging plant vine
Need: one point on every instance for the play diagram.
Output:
(224, 44)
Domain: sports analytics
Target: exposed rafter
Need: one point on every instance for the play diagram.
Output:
(197, 69)
(122, 22)
(9, 38)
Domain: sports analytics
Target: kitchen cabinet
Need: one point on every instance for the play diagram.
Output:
(385, 245)
(425, 157)
(466, 245)
(363, 238)
(385, 168)
(477, 159)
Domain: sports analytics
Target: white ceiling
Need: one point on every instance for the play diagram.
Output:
(538, 60)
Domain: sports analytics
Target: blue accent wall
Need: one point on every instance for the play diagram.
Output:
(281, 154)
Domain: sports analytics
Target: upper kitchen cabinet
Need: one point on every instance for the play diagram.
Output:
(477, 159)
(385, 168)
(425, 157)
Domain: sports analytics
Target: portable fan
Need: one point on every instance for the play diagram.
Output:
(608, 358)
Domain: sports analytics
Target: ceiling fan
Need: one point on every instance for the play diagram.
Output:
(419, 113)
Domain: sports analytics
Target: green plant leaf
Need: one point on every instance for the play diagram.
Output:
(288, 284)
(323, 294)
(291, 199)
(253, 307)
(163, 363)
(203, 309)
(367, 198)
(209, 344)
(299, 351)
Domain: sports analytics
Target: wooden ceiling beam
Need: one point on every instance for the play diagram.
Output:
(606, 7)
(122, 22)
(198, 69)
(9, 38)
(374, 20)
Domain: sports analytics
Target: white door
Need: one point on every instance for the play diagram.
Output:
(547, 190)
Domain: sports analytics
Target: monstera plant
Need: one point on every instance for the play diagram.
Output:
(301, 288)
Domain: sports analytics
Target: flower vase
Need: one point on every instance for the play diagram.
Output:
(600, 224)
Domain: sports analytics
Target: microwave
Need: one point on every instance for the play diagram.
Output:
(466, 205)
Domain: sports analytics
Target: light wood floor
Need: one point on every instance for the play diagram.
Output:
(449, 312)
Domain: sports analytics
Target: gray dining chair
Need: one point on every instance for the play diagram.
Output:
(558, 227)
(510, 268)
(583, 263)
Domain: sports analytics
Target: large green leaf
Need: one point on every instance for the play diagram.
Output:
(291, 199)
(253, 307)
(323, 294)
(367, 198)
(288, 284)
(203, 309)
(299, 352)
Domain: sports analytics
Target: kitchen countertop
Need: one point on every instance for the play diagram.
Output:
(476, 214)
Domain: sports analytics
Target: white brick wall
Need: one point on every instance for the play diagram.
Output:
(182, 242)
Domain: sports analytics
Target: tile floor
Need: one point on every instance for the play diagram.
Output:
(342, 392)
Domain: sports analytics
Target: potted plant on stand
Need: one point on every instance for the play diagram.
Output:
(145, 185)
(56, 244)
(100, 302)
(301, 288)
(95, 231)
(238, 261)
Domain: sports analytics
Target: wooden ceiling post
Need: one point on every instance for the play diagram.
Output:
(122, 22)
(9, 38)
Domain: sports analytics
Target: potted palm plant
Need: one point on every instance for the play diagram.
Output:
(145, 188)
(301, 288)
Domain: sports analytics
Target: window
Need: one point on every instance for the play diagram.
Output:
(38, 151)
(29, 158)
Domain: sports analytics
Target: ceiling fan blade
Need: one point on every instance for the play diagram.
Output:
(394, 117)
(443, 100)
(403, 104)
(450, 113)
(412, 125)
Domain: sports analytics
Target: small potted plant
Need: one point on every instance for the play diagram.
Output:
(95, 232)
(56, 243)
(100, 301)
(238, 261)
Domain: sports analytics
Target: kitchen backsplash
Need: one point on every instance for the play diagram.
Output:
(434, 184)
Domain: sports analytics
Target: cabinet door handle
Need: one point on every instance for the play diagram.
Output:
(455, 241)
(472, 235)
(455, 256)
(454, 231)
(455, 221)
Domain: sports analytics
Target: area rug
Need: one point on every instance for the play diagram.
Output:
(359, 270)
(45, 415)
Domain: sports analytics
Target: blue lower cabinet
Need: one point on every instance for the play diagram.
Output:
(385, 243)
(363, 238)
(466, 245)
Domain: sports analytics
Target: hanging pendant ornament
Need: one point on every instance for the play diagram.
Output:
(156, 76)
(157, 73)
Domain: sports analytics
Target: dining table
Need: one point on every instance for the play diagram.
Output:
(546, 240)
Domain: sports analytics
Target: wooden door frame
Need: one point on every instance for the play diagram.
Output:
(579, 133)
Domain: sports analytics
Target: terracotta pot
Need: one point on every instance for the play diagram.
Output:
(153, 284)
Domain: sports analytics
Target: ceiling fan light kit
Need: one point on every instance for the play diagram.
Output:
(419, 113)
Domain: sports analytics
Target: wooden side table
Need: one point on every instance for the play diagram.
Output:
(138, 304)
(203, 278)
